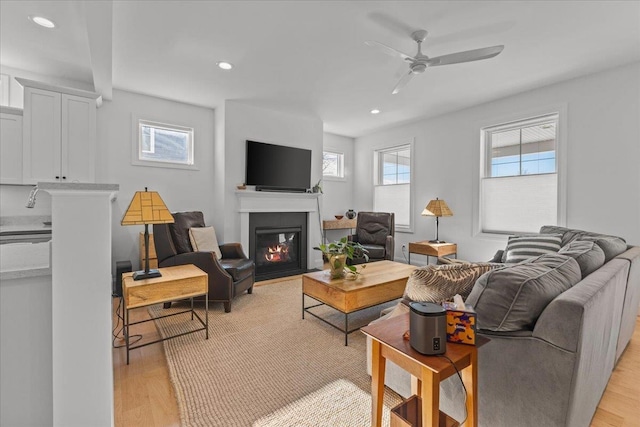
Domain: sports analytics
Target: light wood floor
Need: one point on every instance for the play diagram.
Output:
(144, 396)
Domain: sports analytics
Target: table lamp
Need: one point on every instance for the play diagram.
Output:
(437, 208)
(146, 208)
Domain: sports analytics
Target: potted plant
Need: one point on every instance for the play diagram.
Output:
(338, 252)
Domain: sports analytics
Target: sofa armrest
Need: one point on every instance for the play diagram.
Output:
(389, 248)
(497, 257)
(232, 251)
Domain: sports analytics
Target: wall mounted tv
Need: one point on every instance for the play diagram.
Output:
(273, 167)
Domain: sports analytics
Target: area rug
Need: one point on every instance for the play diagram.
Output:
(264, 366)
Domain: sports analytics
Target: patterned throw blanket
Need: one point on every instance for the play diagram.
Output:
(437, 283)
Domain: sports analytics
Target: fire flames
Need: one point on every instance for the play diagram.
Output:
(277, 253)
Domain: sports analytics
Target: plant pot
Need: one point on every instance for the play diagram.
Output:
(337, 264)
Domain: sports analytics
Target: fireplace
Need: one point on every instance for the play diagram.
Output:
(278, 243)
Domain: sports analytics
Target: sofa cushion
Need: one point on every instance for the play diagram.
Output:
(238, 269)
(374, 251)
(203, 239)
(589, 255)
(512, 298)
(520, 248)
(611, 245)
(180, 229)
(437, 283)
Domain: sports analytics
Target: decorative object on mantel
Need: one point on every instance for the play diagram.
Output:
(317, 188)
(146, 207)
(338, 252)
(241, 186)
(350, 214)
(437, 208)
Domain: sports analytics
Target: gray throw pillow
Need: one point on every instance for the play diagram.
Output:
(612, 246)
(437, 283)
(520, 248)
(589, 255)
(512, 298)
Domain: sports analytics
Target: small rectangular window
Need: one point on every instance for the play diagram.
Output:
(164, 144)
(519, 191)
(332, 164)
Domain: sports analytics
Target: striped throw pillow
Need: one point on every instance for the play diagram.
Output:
(520, 248)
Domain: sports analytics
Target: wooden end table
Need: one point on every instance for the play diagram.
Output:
(381, 282)
(176, 283)
(427, 371)
(432, 249)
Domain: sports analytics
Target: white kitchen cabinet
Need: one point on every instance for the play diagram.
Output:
(59, 140)
(10, 146)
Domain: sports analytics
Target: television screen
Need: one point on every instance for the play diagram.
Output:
(276, 167)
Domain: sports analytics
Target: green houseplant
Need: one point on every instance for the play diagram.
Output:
(338, 252)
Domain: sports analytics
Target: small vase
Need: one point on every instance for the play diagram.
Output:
(337, 264)
(350, 214)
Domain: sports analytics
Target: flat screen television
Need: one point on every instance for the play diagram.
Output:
(273, 167)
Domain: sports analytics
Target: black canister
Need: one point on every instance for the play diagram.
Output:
(428, 328)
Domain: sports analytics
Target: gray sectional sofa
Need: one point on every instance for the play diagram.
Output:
(550, 369)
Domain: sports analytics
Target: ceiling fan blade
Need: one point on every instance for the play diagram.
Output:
(403, 82)
(389, 50)
(466, 56)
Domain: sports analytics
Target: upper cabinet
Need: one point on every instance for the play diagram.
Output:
(59, 133)
(10, 145)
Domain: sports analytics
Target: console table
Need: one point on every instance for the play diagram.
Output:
(176, 283)
(337, 224)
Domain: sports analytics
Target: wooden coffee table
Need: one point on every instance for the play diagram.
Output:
(381, 282)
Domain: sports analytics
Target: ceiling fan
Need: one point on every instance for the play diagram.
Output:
(419, 62)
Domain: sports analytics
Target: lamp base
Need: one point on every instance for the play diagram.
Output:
(437, 241)
(139, 275)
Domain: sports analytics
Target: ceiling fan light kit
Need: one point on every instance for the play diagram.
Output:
(420, 62)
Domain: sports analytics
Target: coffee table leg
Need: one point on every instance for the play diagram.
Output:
(206, 313)
(303, 306)
(346, 329)
(191, 308)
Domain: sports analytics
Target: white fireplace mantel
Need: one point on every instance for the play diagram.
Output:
(266, 201)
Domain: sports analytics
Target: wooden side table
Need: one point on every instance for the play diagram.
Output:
(426, 371)
(176, 283)
(432, 249)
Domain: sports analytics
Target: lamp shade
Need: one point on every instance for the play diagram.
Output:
(437, 208)
(146, 207)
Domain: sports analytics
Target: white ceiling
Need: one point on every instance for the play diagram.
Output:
(309, 57)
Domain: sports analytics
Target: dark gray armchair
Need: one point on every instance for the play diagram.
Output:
(228, 277)
(375, 232)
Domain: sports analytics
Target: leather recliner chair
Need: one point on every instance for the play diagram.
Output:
(375, 232)
(228, 277)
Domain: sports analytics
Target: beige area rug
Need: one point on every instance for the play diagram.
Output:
(263, 366)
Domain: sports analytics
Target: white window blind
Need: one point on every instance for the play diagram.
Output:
(393, 198)
(519, 182)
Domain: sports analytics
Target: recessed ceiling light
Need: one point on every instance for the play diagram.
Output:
(42, 21)
(375, 111)
(225, 65)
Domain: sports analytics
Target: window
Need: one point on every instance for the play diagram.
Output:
(392, 190)
(519, 179)
(332, 164)
(164, 145)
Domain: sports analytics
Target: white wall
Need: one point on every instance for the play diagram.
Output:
(247, 122)
(603, 151)
(181, 190)
(338, 193)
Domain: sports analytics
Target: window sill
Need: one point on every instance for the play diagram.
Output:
(334, 178)
(166, 165)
